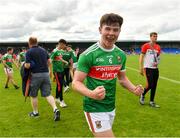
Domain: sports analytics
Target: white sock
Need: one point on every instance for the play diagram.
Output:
(35, 112)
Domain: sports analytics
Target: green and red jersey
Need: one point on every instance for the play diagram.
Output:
(56, 57)
(8, 59)
(102, 67)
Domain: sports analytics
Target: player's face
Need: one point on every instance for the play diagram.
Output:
(109, 34)
(153, 38)
(11, 51)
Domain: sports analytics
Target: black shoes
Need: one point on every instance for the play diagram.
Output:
(32, 114)
(16, 87)
(56, 115)
(152, 104)
(6, 87)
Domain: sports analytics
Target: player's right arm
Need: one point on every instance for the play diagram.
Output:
(4, 61)
(141, 60)
(98, 93)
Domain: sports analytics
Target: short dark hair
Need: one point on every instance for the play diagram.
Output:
(63, 41)
(111, 18)
(23, 48)
(153, 33)
(9, 49)
(69, 45)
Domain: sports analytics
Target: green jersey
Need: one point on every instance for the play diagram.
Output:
(8, 58)
(102, 67)
(56, 57)
(22, 57)
(74, 57)
(67, 56)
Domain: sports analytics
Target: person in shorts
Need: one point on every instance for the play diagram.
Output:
(8, 62)
(101, 64)
(37, 60)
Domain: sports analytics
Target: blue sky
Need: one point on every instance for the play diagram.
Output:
(51, 20)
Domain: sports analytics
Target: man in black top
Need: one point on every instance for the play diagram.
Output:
(37, 60)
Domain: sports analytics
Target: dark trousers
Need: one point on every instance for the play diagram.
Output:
(59, 87)
(67, 77)
(152, 76)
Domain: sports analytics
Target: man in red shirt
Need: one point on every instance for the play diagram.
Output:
(148, 61)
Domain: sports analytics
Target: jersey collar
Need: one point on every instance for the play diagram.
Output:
(106, 50)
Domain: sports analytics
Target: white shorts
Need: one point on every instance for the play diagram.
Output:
(74, 65)
(8, 70)
(99, 122)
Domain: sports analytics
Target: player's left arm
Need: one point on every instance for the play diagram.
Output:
(4, 63)
(126, 83)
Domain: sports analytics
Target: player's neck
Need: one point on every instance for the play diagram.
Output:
(103, 45)
(152, 43)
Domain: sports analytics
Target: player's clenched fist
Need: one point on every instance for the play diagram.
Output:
(99, 93)
(138, 90)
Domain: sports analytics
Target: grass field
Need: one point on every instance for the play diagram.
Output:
(132, 119)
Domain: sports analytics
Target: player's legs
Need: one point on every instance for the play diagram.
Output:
(67, 76)
(59, 80)
(34, 104)
(7, 82)
(11, 79)
(45, 88)
(34, 87)
(155, 76)
(149, 80)
(7, 72)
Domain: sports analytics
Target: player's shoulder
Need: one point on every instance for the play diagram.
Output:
(146, 44)
(91, 49)
(5, 55)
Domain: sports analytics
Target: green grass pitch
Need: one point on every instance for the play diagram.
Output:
(131, 119)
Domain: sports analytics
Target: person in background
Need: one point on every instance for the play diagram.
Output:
(21, 58)
(70, 51)
(8, 62)
(37, 60)
(58, 70)
(77, 53)
(67, 56)
(101, 65)
(148, 64)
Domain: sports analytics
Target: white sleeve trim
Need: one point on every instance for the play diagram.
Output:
(124, 70)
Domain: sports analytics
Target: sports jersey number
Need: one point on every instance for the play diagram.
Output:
(110, 60)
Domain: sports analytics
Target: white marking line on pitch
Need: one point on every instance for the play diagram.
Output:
(161, 77)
